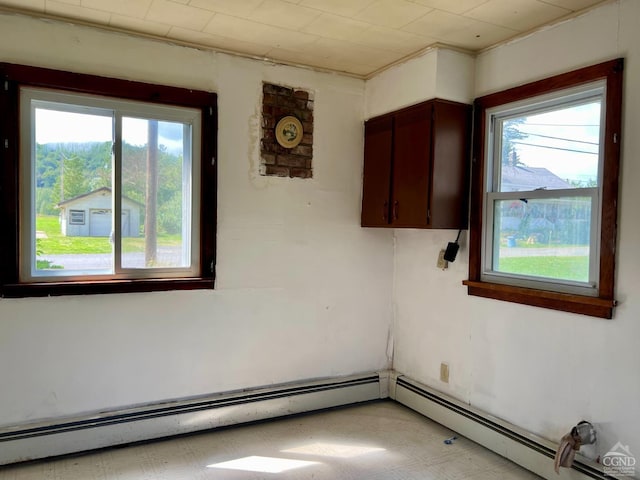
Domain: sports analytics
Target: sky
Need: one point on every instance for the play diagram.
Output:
(53, 126)
(564, 142)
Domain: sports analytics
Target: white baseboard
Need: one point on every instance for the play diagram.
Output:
(71, 435)
(534, 453)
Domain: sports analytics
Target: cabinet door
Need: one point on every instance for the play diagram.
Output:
(451, 139)
(411, 167)
(378, 141)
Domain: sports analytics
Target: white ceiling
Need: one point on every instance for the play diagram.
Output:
(359, 37)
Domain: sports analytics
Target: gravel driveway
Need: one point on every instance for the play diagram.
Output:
(167, 256)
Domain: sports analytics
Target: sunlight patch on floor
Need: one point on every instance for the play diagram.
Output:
(263, 464)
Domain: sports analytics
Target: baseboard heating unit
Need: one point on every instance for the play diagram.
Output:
(534, 453)
(71, 435)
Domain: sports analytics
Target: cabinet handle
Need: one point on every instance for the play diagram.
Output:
(385, 210)
(395, 210)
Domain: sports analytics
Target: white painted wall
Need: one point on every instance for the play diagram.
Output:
(540, 369)
(302, 291)
(437, 73)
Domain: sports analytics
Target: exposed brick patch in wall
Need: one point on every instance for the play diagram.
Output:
(276, 160)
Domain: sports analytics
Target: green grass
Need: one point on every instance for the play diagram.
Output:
(566, 268)
(47, 265)
(136, 244)
(56, 243)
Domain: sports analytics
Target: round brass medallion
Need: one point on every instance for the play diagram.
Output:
(289, 131)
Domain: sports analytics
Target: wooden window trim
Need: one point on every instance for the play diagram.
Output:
(601, 306)
(13, 77)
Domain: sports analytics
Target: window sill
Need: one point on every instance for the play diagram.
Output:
(566, 302)
(45, 289)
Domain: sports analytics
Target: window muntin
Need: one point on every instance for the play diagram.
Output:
(542, 200)
(71, 125)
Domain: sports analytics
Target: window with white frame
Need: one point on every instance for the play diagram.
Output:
(76, 217)
(133, 156)
(542, 200)
(544, 193)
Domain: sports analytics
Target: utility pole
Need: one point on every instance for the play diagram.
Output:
(62, 157)
(151, 197)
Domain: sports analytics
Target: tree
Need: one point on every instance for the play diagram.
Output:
(88, 167)
(65, 170)
(510, 134)
(72, 180)
(151, 197)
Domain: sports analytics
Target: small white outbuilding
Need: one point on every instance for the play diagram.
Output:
(90, 215)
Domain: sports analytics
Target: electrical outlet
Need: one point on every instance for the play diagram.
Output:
(442, 263)
(444, 372)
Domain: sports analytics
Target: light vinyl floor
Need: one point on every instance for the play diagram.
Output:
(373, 441)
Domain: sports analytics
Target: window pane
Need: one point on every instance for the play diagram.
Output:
(552, 150)
(156, 194)
(76, 217)
(547, 238)
(72, 177)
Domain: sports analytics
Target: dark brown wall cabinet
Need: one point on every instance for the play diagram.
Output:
(416, 165)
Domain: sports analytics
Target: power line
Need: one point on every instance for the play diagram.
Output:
(560, 138)
(562, 125)
(555, 148)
